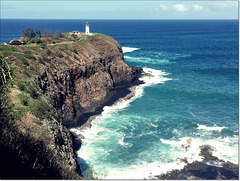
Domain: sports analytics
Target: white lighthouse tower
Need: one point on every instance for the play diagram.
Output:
(87, 31)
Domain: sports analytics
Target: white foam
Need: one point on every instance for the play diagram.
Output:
(150, 77)
(143, 170)
(121, 142)
(225, 148)
(129, 49)
(210, 128)
(185, 147)
(147, 60)
(153, 77)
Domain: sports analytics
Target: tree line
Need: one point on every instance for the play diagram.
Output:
(30, 33)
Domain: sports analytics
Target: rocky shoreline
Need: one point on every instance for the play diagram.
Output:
(210, 168)
(124, 92)
(121, 93)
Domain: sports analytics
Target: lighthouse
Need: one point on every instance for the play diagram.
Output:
(87, 31)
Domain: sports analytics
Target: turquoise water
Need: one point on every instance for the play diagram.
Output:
(190, 100)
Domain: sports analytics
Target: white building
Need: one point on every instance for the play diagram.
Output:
(87, 29)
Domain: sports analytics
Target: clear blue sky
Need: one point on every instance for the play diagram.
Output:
(33, 9)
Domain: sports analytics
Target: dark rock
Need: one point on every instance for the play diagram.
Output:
(220, 170)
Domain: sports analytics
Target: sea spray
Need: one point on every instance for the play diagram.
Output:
(129, 49)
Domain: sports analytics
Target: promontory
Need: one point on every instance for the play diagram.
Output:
(48, 86)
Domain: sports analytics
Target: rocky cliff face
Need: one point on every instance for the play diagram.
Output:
(79, 88)
(56, 86)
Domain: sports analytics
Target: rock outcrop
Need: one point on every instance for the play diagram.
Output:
(57, 86)
(81, 87)
(211, 168)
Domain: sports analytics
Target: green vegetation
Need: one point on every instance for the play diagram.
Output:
(28, 120)
(5, 70)
(82, 42)
(20, 84)
(7, 50)
(49, 53)
(59, 54)
(29, 55)
(97, 35)
(63, 47)
(24, 99)
(35, 40)
(40, 108)
(29, 33)
(4, 48)
(74, 50)
(69, 39)
(23, 39)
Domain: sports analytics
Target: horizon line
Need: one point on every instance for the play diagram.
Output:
(119, 19)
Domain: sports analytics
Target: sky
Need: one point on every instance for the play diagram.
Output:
(78, 9)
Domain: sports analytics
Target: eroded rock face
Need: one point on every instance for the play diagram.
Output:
(79, 88)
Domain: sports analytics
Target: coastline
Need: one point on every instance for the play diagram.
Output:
(209, 168)
(123, 91)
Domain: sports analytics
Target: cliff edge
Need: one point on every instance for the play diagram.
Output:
(56, 86)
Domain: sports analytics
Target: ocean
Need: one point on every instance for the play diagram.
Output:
(190, 99)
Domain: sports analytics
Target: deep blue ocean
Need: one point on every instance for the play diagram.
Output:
(190, 99)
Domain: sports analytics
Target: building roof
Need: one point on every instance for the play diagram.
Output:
(75, 31)
(87, 23)
(15, 42)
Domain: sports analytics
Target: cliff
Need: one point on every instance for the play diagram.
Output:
(56, 86)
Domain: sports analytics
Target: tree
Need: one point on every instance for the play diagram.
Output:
(29, 33)
(58, 34)
(38, 33)
(47, 33)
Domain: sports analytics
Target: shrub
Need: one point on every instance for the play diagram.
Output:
(63, 47)
(82, 42)
(35, 40)
(74, 50)
(25, 62)
(49, 52)
(59, 54)
(24, 39)
(28, 55)
(21, 85)
(40, 60)
(24, 99)
(40, 109)
(69, 39)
